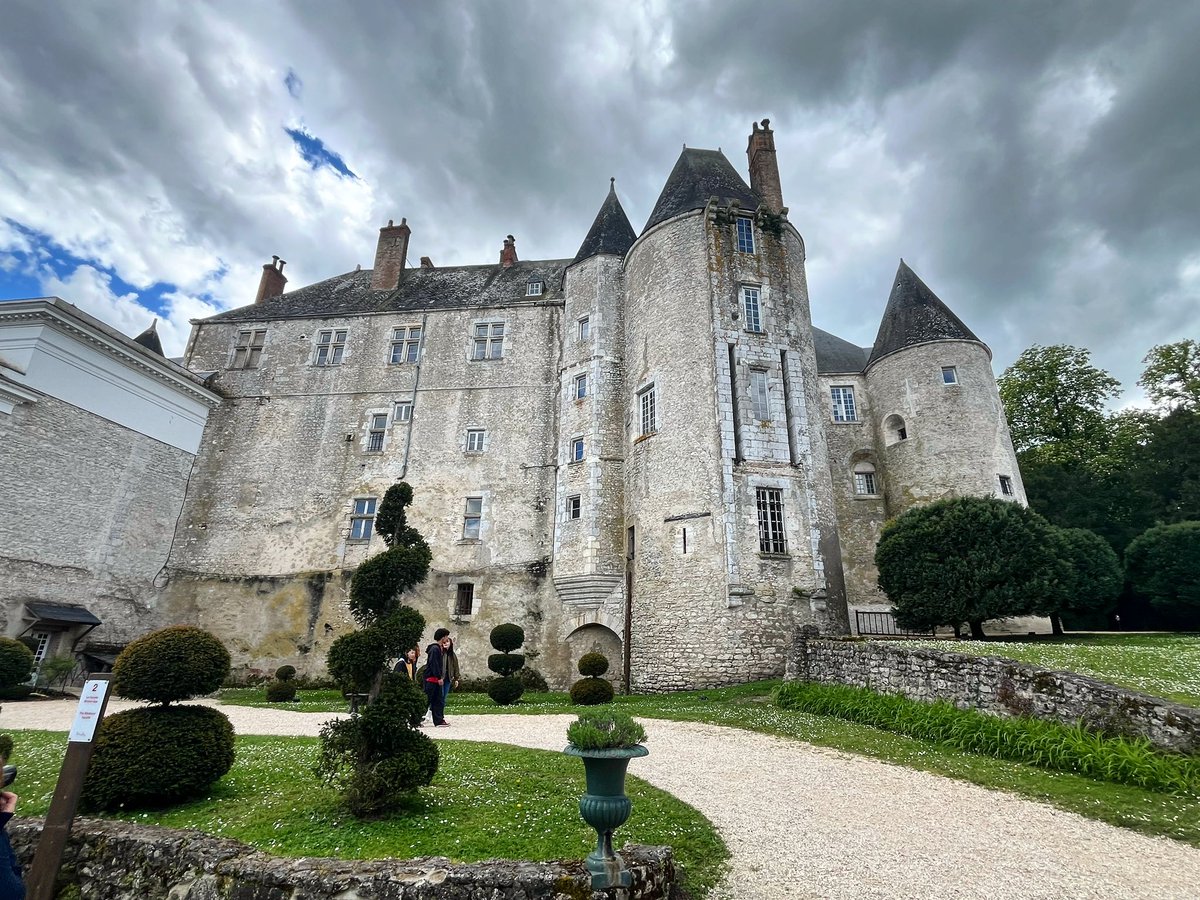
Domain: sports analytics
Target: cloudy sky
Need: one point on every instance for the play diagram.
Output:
(1037, 164)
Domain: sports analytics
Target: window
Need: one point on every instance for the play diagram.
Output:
(475, 438)
(464, 600)
(745, 234)
(362, 519)
(771, 537)
(248, 349)
(375, 435)
(403, 411)
(864, 479)
(646, 407)
(760, 395)
(534, 288)
(949, 375)
(750, 305)
(489, 341)
(1006, 487)
(331, 347)
(574, 506)
(577, 449)
(843, 404)
(585, 328)
(580, 386)
(406, 341)
(894, 430)
(472, 517)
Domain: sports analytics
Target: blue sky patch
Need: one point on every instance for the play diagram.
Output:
(316, 154)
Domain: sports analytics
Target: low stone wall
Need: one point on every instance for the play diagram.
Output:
(999, 686)
(119, 861)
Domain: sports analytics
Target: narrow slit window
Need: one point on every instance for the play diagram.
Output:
(760, 395)
(472, 518)
(771, 535)
(585, 328)
(581, 386)
(577, 449)
(647, 411)
(574, 506)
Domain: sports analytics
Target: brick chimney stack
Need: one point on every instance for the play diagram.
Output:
(508, 255)
(390, 255)
(764, 168)
(273, 280)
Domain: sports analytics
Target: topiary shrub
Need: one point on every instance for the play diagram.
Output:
(281, 692)
(506, 638)
(156, 756)
(354, 659)
(285, 673)
(591, 692)
(171, 664)
(505, 664)
(506, 690)
(533, 680)
(593, 665)
(16, 663)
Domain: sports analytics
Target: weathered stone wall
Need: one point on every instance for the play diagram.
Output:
(999, 686)
(121, 861)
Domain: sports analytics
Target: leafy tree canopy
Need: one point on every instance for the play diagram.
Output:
(1163, 564)
(1172, 375)
(1089, 579)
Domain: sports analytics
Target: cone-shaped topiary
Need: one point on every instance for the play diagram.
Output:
(170, 665)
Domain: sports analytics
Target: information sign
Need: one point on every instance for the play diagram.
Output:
(87, 716)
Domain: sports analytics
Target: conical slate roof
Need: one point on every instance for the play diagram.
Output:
(915, 315)
(149, 339)
(611, 232)
(697, 176)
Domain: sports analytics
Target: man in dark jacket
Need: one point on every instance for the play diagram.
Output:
(435, 675)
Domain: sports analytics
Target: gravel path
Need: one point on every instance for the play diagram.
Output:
(808, 822)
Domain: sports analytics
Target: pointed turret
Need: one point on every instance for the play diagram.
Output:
(611, 232)
(915, 315)
(149, 339)
(698, 176)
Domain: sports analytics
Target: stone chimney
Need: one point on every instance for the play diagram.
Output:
(508, 255)
(764, 168)
(390, 255)
(273, 280)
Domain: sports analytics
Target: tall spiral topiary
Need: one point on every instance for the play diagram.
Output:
(166, 753)
(507, 688)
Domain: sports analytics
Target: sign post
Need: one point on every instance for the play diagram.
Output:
(80, 744)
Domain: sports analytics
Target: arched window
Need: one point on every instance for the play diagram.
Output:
(864, 479)
(894, 430)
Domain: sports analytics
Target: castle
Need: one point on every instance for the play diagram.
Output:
(647, 449)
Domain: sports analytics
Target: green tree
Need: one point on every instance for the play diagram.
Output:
(1172, 375)
(1089, 578)
(1163, 565)
(966, 559)
(1167, 471)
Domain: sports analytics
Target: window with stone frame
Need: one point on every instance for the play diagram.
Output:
(844, 408)
(772, 537)
(752, 307)
(647, 411)
(362, 519)
(375, 434)
(1006, 485)
(476, 438)
(580, 386)
(577, 450)
(406, 344)
(574, 506)
(949, 375)
(472, 518)
(745, 234)
(464, 599)
(585, 328)
(488, 341)
(864, 479)
(760, 395)
(248, 348)
(331, 348)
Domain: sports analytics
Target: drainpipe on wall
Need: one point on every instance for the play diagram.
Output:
(413, 412)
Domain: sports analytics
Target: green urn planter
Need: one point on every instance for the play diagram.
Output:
(605, 808)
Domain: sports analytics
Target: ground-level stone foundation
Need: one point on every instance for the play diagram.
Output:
(998, 686)
(120, 861)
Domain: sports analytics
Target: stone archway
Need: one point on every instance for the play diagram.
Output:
(599, 638)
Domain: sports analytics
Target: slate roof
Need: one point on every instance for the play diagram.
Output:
(697, 176)
(453, 287)
(915, 315)
(60, 612)
(611, 232)
(149, 339)
(836, 356)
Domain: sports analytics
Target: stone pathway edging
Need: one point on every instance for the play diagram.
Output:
(808, 822)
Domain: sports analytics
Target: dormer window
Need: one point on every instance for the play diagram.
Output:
(535, 287)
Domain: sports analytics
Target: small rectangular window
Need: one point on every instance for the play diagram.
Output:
(752, 309)
(574, 506)
(949, 375)
(464, 600)
(585, 329)
(533, 289)
(864, 482)
(489, 341)
(247, 351)
(331, 347)
(472, 517)
(376, 433)
(580, 386)
(647, 411)
(760, 395)
(475, 438)
(577, 449)
(403, 411)
(1006, 486)
(771, 535)
(745, 234)
(362, 519)
(843, 404)
(406, 343)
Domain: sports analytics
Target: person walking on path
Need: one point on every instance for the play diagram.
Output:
(435, 675)
(452, 673)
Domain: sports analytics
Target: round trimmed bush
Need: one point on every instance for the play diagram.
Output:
(356, 658)
(16, 662)
(593, 665)
(281, 692)
(533, 680)
(157, 756)
(508, 637)
(505, 664)
(506, 690)
(285, 673)
(591, 692)
(171, 664)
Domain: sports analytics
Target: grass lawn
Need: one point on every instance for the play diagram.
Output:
(1163, 665)
(487, 801)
